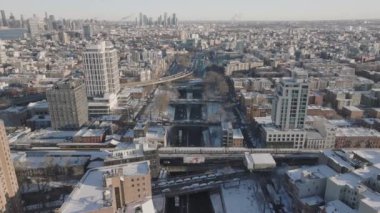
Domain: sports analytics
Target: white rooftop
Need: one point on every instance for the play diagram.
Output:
(338, 206)
(314, 172)
(262, 158)
(356, 132)
(348, 179)
(372, 199)
(43, 161)
(371, 155)
(353, 108)
(39, 104)
(237, 134)
(338, 158)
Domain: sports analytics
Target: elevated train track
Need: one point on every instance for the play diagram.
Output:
(232, 150)
(158, 81)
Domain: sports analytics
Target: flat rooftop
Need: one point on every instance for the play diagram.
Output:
(337, 206)
(348, 179)
(339, 158)
(353, 108)
(38, 105)
(314, 172)
(356, 132)
(262, 158)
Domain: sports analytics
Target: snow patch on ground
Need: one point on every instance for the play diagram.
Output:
(216, 202)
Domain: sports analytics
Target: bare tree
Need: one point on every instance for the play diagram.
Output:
(22, 176)
(162, 102)
(215, 85)
(183, 59)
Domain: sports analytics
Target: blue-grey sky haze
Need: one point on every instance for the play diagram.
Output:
(199, 9)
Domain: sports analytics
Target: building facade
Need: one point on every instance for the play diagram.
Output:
(101, 69)
(290, 102)
(67, 103)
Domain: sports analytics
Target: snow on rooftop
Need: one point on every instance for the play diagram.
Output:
(156, 132)
(264, 120)
(337, 206)
(262, 158)
(349, 179)
(45, 136)
(338, 158)
(146, 206)
(340, 123)
(86, 132)
(372, 199)
(314, 135)
(14, 109)
(237, 134)
(42, 161)
(110, 118)
(353, 108)
(314, 172)
(355, 132)
(372, 155)
(88, 194)
(367, 172)
(312, 200)
(39, 104)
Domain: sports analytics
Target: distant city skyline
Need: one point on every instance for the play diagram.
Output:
(198, 9)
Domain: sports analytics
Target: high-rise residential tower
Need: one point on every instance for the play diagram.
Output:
(68, 104)
(101, 69)
(290, 101)
(9, 199)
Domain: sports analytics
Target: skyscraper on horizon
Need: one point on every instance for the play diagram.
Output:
(33, 26)
(9, 199)
(101, 69)
(165, 19)
(67, 103)
(290, 102)
(87, 31)
(174, 19)
(4, 18)
(22, 21)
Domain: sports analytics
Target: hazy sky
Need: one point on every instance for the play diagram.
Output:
(199, 9)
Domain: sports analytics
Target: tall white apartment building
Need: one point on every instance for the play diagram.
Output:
(9, 197)
(290, 102)
(101, 69)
